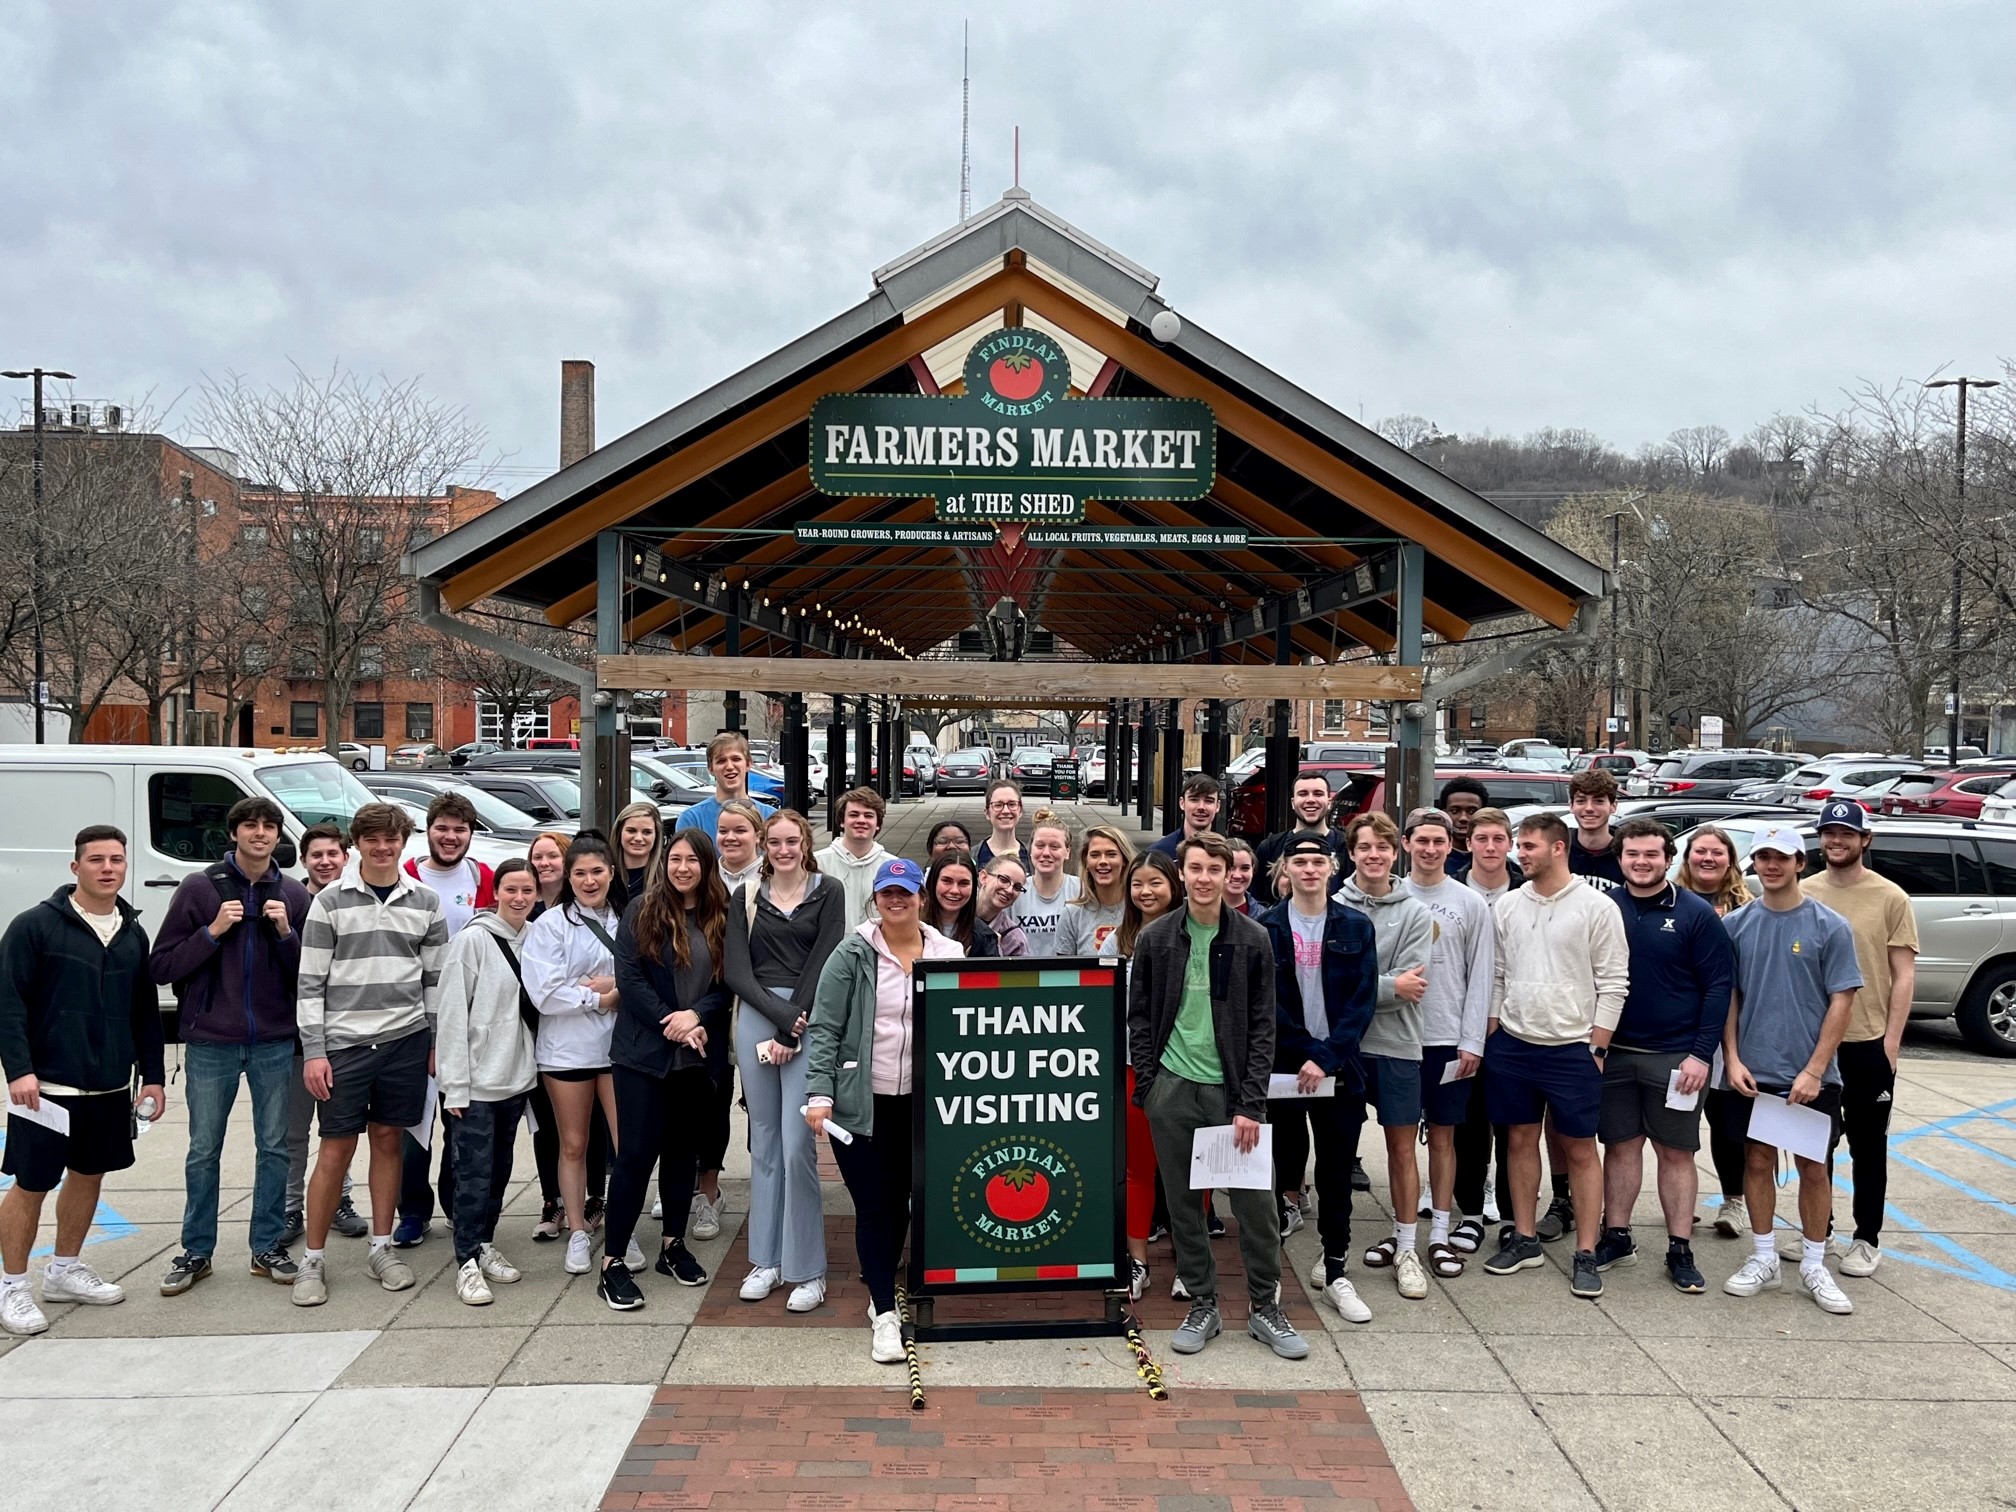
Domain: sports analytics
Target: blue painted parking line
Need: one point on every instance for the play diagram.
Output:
(1960, 1261)
(106, 1225)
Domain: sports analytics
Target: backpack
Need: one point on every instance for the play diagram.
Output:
(230, 888)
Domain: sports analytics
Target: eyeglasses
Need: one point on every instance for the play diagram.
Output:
(1013, 887)
(1008, 804)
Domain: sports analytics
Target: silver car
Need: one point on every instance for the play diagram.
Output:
(1961, 877)
(1809, 786)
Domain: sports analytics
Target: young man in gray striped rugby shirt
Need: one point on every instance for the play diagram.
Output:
(371, 955)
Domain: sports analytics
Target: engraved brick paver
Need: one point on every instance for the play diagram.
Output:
(752, 1449)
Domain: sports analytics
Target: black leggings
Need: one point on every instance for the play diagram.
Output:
(1728, 1126)
(546, 1145)
(1476, 1138)
(877, 1172)
(714, 1131)
(659, 1121)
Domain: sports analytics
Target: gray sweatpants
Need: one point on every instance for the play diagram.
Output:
(787, 1226)
(300, 1115)
(1176, 1110)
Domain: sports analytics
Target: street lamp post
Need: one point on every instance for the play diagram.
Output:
(1959, 511)
(39, 694)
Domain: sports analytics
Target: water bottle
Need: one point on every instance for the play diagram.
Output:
(144, 1116)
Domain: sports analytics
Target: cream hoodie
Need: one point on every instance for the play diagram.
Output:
(1564, 964)
(856, 878)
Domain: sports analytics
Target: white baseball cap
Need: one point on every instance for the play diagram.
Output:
(1780, 838)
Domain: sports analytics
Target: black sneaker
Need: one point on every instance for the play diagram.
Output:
(348, 1221)
(1520, 1252)
(1158, 1233)
(591, 1213)
(676, 1261)
(1681, 1269)
(1559, 1219)
(1586, 1280)
(276, 1265)
(295, 1226)
(1215, 1224)
(411, 1232)
(1360, 1182)
(618, 1289)
(552, 1218)
(184, 1271)
(1615, 1246)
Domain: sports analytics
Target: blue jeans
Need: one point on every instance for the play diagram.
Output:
(210, 1084)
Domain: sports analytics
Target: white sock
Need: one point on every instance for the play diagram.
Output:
(8, 1282)
(58, 1264)
(1405, 1234)
(1438, 1226)
(1812, 1255)
(312, 1254)
(1764, 1247)
(380, 1241)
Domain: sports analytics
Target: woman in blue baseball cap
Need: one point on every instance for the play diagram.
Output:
(858, 1078)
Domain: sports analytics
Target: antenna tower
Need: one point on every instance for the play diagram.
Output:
(965, 122)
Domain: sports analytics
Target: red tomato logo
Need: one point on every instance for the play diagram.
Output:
(1018, 1194)
(1017, 376)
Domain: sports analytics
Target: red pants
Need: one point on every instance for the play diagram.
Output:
(1140, 1168)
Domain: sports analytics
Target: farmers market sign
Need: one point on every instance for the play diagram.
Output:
(1013, 446)
(1020, 1077)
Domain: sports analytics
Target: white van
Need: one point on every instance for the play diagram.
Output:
(171, 802)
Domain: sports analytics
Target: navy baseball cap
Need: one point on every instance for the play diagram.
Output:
(1845, 812)
(898, 872)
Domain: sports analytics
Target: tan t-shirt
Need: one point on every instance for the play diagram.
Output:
(1879, 911)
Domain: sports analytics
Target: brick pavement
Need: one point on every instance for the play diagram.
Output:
(862, 1449)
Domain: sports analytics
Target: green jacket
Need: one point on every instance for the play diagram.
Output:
(840, 1034)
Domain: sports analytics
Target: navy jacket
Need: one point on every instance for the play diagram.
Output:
(238, 990)
(1350, 993)
(1682, 969)
(73, 1011)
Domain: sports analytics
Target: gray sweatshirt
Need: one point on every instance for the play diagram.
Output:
(1404, 932)
(1457, 1007)
(484, 1049)
(1087, 928)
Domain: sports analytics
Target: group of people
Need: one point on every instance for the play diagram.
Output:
(610, 995)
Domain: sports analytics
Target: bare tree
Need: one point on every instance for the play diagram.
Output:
(514, 688)
(1698, 449)
(1407, 431)
(347, 474)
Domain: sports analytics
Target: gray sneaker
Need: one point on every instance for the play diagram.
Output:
(348, 1221)
(391, 1272)
(311, 1288)
(184, 1271)
(276, 1265)
(1200, 1327)
(1272, 1329)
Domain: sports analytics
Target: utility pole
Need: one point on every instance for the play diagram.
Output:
(1616, 592)
(1960, 524)
(39, 694)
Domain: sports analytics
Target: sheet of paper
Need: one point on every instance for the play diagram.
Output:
(423, 1131)
(1216, 1162)
(1282, 1084)
(1452, 1071)
(50, 1115)
(531, 1120)
(1790, 1126)
(1686, 1102)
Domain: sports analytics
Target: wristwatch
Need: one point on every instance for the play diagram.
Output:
(1601, 1052)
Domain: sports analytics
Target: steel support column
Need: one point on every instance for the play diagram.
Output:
(731, 642)
(836, 763)
(1144, 770)
(864, 746)
(1172, 767)
(1283, 758)
(1407, 726)
(797, 742)
(601, 793)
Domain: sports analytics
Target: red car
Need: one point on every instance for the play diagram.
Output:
(1950, 792)
(1248, 816)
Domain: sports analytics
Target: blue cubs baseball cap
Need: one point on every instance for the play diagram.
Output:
(898, 872)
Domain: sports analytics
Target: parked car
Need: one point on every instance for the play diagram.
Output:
(965, 771)
(496, 815)
(1812, 784)
(671, 791)
(553, 743)
(460, 755)
(1533, 756)
(1999, 807)
(1030, 766)
(1961, 876)
(1714, 774)
(1246, 797)
(1620, 763)
(1950, 792)
(420, 757)
(770, 789)
(552, 798)
(1677, 814)
(1092, 774)
(354, 756)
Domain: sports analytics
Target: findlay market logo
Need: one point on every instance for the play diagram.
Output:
(1017, 1194)
(1013, 446)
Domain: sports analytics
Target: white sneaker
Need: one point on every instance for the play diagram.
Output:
(497, 1268)
(1178, 1290)
(578, 1257)
(1410, 1275)
(704, 1218)
(19, 1314)
(1819, 1284)
(80, 1283)
(658, 1210)
(807, 1296)
(887, 1346)
(1343, 1296)
(470, 1285)
(633, 1258)
(1319, 1273)
(1757, 1274)
(1733, 1221)
(760, 1282)
(1861, 1259)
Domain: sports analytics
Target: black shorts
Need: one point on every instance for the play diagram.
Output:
(1634, 1101)
(100, 1140)
(384, 1084)
(1828, 1102)
(1527, 1080)
(577, 1073)
(1443, 1104)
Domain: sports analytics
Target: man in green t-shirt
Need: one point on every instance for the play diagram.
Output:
(1200, 1024)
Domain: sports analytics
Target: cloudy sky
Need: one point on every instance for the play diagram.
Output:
(1623, 216)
